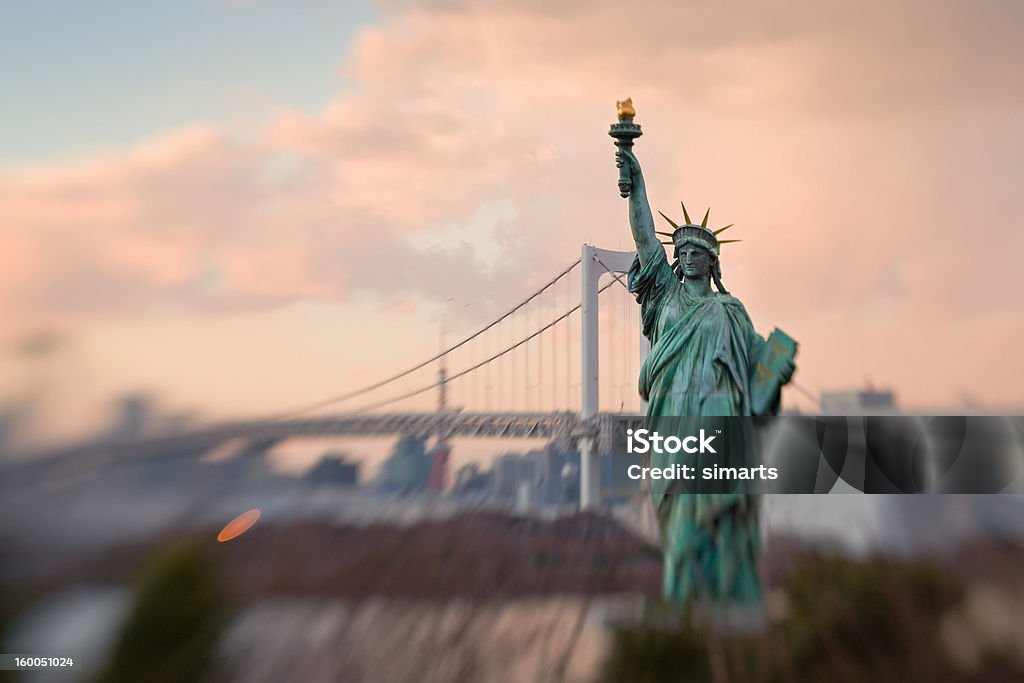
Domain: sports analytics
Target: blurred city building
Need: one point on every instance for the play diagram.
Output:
(867, 401)
(407, 469)
(334, 468)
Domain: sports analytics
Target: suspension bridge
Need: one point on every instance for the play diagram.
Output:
(559, 364)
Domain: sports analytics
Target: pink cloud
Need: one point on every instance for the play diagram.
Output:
(864, 154)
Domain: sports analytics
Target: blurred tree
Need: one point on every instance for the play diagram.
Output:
(173, 630)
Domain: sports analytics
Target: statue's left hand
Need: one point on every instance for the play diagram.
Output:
(786, 374)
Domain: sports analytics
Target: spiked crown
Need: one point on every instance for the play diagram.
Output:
(692, 233)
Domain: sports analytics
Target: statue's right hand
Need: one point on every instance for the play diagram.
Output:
(624, 157)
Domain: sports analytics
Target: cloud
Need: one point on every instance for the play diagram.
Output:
(866, 154)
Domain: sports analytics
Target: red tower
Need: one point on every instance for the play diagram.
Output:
(438, 480)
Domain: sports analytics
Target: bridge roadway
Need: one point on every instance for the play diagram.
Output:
(447, 424)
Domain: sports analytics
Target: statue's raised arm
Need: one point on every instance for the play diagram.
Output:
(641, 221)
(631, 182)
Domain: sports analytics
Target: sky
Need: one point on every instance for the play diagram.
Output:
(106, 75)
(241, 206)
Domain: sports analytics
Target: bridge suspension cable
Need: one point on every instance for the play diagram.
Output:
(482, 363)
(358, 392)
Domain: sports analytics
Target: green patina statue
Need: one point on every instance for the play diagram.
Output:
(705, 360)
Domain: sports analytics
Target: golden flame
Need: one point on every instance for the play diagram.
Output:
(625, 108)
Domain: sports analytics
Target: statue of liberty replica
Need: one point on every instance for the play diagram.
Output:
(705, 361)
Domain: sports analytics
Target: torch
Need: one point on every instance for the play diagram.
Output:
(624, 132)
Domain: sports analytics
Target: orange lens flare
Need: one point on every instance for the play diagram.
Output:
(238, 526)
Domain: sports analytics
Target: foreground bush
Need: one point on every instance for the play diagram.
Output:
(871, 621)
(174, 627)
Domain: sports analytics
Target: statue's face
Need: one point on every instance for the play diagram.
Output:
(695, 261)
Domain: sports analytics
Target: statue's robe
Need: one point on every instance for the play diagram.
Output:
(702, 361)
